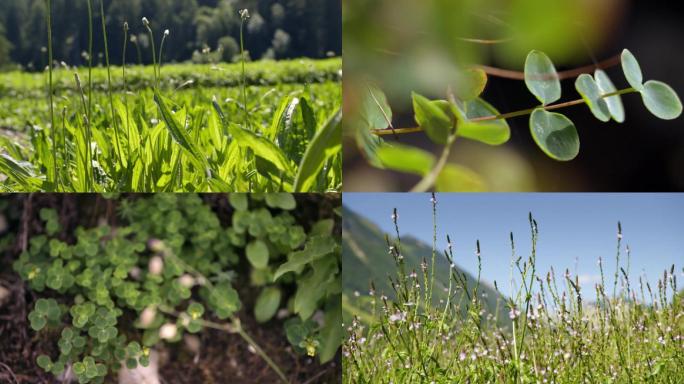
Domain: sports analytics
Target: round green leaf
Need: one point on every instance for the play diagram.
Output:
(79, 368)
(555, 134)
(541, 77)
(281, 200)
(632, 70)
(404, 158)
(44, 362)
(432, 118)
(470, 83)
(456, 178)
(267, 304)
(492, 132)
(661, 100)
(42, 306)
(239, 201)
(257, 254)
(614, 103)
(590, 92)
(37, 320)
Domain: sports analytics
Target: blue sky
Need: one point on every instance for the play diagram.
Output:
(574, 230)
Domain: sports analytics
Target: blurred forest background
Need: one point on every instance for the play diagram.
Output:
(201, 30)
(407, 45)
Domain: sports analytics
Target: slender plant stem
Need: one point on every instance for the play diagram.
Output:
(53, 131)
(429, 180)
(504, 116)
(154, 56)
(125, 90)
(89, 155)
(161, 51)
(244, 77)
(109, 85)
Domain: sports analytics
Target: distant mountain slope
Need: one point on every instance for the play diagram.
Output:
(365, 258)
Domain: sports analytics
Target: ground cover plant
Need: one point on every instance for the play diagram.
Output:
(464, 114)
(633, 333)
(156, 270)
(264, 127)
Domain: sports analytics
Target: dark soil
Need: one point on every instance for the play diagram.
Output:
(222, 358)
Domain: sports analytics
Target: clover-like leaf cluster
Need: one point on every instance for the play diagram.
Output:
(170, 266)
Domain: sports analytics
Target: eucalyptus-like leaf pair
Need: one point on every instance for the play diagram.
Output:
(555, 134)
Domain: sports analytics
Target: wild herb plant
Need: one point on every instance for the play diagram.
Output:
(464, 114)
(163, 144)
(114, 291)
(634, 334)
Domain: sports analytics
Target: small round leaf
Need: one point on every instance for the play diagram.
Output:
(614, 103)
(555, 134)
(257, 254)
(541, 77)
(632, 70)
(590, 92)
(44, 362)
(661, 100)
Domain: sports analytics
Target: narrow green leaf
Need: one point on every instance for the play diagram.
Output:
(178, 132)
(555, 134)
(632, 70)
(591, 94)
(614, 103)
(541, 77)
(262, 148)
(432, 118)
(20, 173)
(326, 144)
(267, 304)
(661, 100)
(331, 333)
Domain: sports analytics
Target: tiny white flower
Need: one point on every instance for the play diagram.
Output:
(147, 316)
(166, 32)
(168, 331)
(156, 265)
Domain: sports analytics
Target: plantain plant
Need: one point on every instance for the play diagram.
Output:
(463, 113)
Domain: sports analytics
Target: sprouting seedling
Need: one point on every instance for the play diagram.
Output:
(465, 114)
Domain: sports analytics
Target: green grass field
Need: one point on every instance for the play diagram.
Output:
(196, 134)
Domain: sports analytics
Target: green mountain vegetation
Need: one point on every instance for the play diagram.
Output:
(200, 30)
(365, 258)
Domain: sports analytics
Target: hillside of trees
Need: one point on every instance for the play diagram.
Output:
(200, 30)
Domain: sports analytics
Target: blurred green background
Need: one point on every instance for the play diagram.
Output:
(407, 45)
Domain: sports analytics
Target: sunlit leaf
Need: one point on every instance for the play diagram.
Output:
(541, 77)
(614, 103)
(590, 92)
(470, 84)
(632, 70)
(326, 143)
(555, 134)
(661, 100)
(375, 112)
